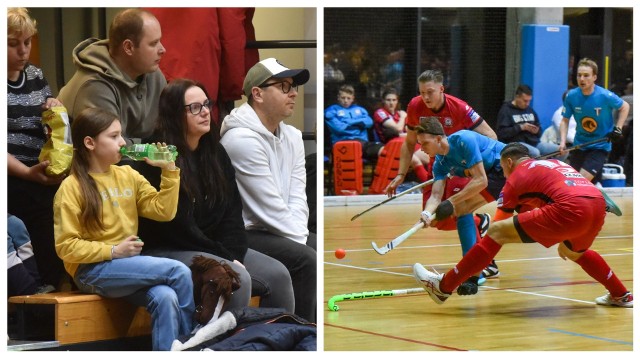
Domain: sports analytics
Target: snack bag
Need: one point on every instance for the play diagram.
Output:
(58, 149)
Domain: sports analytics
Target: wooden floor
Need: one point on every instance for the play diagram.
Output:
(538, 303)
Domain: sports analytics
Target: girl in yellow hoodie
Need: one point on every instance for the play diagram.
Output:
(96, 222)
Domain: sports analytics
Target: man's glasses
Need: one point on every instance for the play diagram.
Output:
(286, 86)
(196, 108)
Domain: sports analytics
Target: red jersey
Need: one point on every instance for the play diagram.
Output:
(380, 116)
(536, 183)
(454, 116)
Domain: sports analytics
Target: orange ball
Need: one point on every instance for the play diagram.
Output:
(340, 253)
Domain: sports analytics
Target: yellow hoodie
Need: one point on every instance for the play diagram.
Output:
(125, 195)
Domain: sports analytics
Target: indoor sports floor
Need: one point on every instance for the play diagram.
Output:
(539, 302)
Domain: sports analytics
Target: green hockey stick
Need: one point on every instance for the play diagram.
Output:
(369, 294)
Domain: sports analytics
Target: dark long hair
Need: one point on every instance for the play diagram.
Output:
(171, 128)
(89, 123)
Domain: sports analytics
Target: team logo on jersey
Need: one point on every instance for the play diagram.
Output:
(570, 183)
(358, 112)
(589, 124)
(448, 122)
(500, 200)
(341, 113)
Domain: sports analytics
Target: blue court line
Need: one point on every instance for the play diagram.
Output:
(588, 336)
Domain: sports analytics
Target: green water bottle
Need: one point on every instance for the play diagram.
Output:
(151, 151)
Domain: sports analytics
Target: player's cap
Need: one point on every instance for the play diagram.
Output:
(272, 68)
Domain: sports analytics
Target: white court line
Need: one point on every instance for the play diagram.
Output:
(450, 245)
(383, 270)
(538, 294)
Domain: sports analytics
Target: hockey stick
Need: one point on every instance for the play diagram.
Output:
(370, 294)
(428, 182)
(604, 139)
(398, 240)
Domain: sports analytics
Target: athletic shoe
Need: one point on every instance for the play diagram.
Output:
(491, 271)
(611, 206)
(608, 300)
(431, 283)
(44, 289)
(483, 226)
(469, 287)
(481, 280)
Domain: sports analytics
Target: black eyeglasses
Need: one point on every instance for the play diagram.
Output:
(196, 108)
(286, 86)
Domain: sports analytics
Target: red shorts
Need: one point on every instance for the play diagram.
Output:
(577, 221)
(451, 186)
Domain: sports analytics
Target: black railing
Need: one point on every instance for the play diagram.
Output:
(282, 44)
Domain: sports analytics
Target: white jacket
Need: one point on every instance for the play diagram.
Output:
(270, 173)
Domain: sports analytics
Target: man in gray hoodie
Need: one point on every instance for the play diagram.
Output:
(120, 74)
(268, 156)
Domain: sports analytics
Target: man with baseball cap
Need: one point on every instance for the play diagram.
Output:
(268, 156)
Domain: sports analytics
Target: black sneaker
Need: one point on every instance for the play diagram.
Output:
(469, 287)
(45, 289)
(483, 226)
(491, 271)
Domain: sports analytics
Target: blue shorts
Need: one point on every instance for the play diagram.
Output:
(591, 160)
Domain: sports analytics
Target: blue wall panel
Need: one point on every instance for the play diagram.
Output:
(545, 67)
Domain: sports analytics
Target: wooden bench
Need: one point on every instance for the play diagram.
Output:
(80, 317)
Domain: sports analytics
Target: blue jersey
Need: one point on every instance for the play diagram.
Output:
(466, 149)
(348, 123)
(593, 115)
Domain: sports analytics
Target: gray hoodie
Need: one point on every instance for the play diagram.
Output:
(270, 173)
(99, 83)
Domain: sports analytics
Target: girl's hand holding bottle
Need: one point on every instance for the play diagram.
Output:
(131, 246)
(164, 157)
(158, 155)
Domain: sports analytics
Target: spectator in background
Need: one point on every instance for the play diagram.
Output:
(556, 119)
(349, 121)
(333, 77)
(392, 72)
(389, 120)
(23, 277)
(121, 74)
(518, 122)
(268, 157)
(209, 217)
(332, 74)
(389, 123)
(622, 73)
(30, 190)
(209, 45)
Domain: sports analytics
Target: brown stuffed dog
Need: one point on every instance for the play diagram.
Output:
(211, 281)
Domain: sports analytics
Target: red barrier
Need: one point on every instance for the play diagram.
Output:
(387, 166)
(347, 168)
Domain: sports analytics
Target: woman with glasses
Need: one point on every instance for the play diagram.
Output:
(209, 218)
